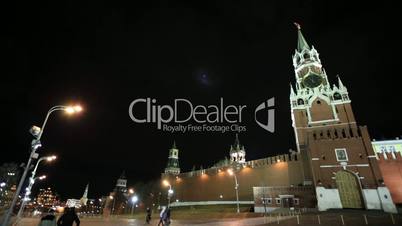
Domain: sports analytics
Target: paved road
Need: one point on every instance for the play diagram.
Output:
(134, 222)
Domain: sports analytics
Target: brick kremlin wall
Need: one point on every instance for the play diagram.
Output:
(215, 184)
(391, 168)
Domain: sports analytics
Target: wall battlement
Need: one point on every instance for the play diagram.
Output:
(389, 156)
(291, 157)
(390, 164)
(217, 184)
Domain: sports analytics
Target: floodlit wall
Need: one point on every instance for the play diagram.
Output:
(216, 184)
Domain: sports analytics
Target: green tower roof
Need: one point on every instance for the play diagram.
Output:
(301, 42)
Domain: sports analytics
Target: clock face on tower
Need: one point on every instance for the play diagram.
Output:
(312, 80)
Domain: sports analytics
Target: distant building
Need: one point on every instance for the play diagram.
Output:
(76, 203)
(116, 202)
(84, 198)
(46, 198)
(9, 174)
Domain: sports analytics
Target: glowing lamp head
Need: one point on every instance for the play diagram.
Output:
(170, 191)
(230, 172)
(42, 177)
(166, 183)
(131, 191)
(110, 196)
(73, 109)
(134, 199)
(70, 110)
(51, 158)
(77, 108)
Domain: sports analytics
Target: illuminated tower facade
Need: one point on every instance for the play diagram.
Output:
(84, 198)
(173, 166)
(237, 152)
(338, 158)
(121, 184)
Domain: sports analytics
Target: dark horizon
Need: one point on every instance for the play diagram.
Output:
(105, 55)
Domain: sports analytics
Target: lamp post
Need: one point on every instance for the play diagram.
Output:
(231, 173)
(170, 191)
(26, 196)
(134, 200)
(32, 180)
(114, 201)
(37, 132)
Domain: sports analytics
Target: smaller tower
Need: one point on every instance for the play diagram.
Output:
(84, 198)
(121, 184)
(173, 166)
(237, 152)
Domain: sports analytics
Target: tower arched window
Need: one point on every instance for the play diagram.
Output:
(337, 96)
(300, 102)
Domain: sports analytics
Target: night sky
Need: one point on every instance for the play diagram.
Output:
(104, 55)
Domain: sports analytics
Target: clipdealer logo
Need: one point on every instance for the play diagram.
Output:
(183, 116)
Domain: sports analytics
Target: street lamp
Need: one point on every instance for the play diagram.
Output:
(114, 201)
(231, 173)
(170, 191)
(28, 191)
(26, 197)
(134, 200)
(37, 132)
(32, 180)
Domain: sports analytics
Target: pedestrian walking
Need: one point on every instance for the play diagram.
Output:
(148, 217)
(161, 216)
(68, 218)
(166, 217)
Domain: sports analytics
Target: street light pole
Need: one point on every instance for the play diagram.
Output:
(170, 191)
(230, 171)
(26, 197)
(134, 200)
(237, 193)
(32, 180)
(35, 145)
(112, 210)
